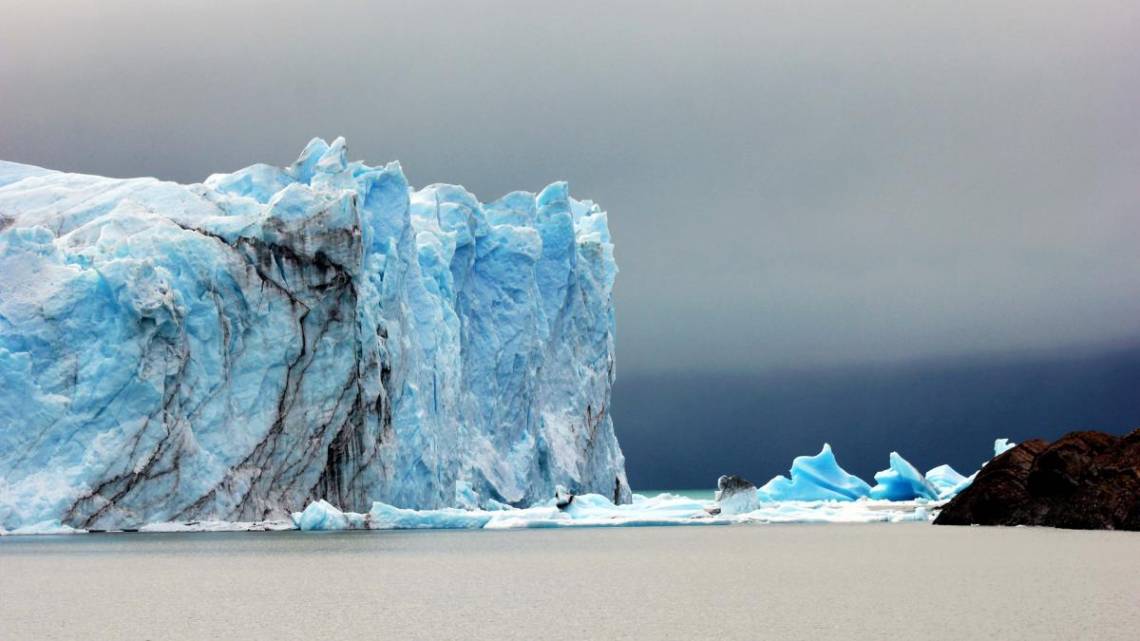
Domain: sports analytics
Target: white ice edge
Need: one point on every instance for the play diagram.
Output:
(588, 510)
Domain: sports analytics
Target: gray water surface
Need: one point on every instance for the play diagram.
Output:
(784, 582)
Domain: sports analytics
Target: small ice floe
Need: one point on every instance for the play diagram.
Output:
(734, 495)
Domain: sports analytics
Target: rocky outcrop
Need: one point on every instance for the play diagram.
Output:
(1084, 480)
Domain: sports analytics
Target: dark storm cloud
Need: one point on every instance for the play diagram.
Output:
(787, 185)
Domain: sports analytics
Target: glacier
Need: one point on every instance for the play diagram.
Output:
(235, 350)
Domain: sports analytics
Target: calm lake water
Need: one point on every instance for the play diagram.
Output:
(784, 582)
(699, 494)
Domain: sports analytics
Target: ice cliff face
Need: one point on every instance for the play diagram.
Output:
(237, 348)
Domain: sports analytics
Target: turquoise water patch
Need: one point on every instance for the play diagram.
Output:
(699, 495)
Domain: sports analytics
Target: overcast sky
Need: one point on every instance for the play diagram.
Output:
(788, 185)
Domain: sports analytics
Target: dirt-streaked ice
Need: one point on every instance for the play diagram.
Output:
(238, 349)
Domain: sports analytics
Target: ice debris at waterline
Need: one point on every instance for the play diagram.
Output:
(819, 491)
(235, 350)
(594, 510)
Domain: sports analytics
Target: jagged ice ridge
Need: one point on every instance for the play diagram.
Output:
(237, 349)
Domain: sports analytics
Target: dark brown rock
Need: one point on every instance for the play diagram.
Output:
(1084, 480)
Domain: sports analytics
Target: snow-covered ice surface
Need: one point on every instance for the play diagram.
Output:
(234, 350)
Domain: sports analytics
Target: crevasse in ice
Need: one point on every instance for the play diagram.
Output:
(240, 348)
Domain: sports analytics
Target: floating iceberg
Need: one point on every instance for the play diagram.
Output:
(322, 515)
(735, 495)
(815, 478)
(236, 349)
(1003, 445)
(944, 478)
(901, 482)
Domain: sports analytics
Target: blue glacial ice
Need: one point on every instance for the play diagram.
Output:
(815, 478)
(235, 350)
(901, 482)
(943, 478)
(957, 489)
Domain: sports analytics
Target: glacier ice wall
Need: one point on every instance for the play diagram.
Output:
(237, 348)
